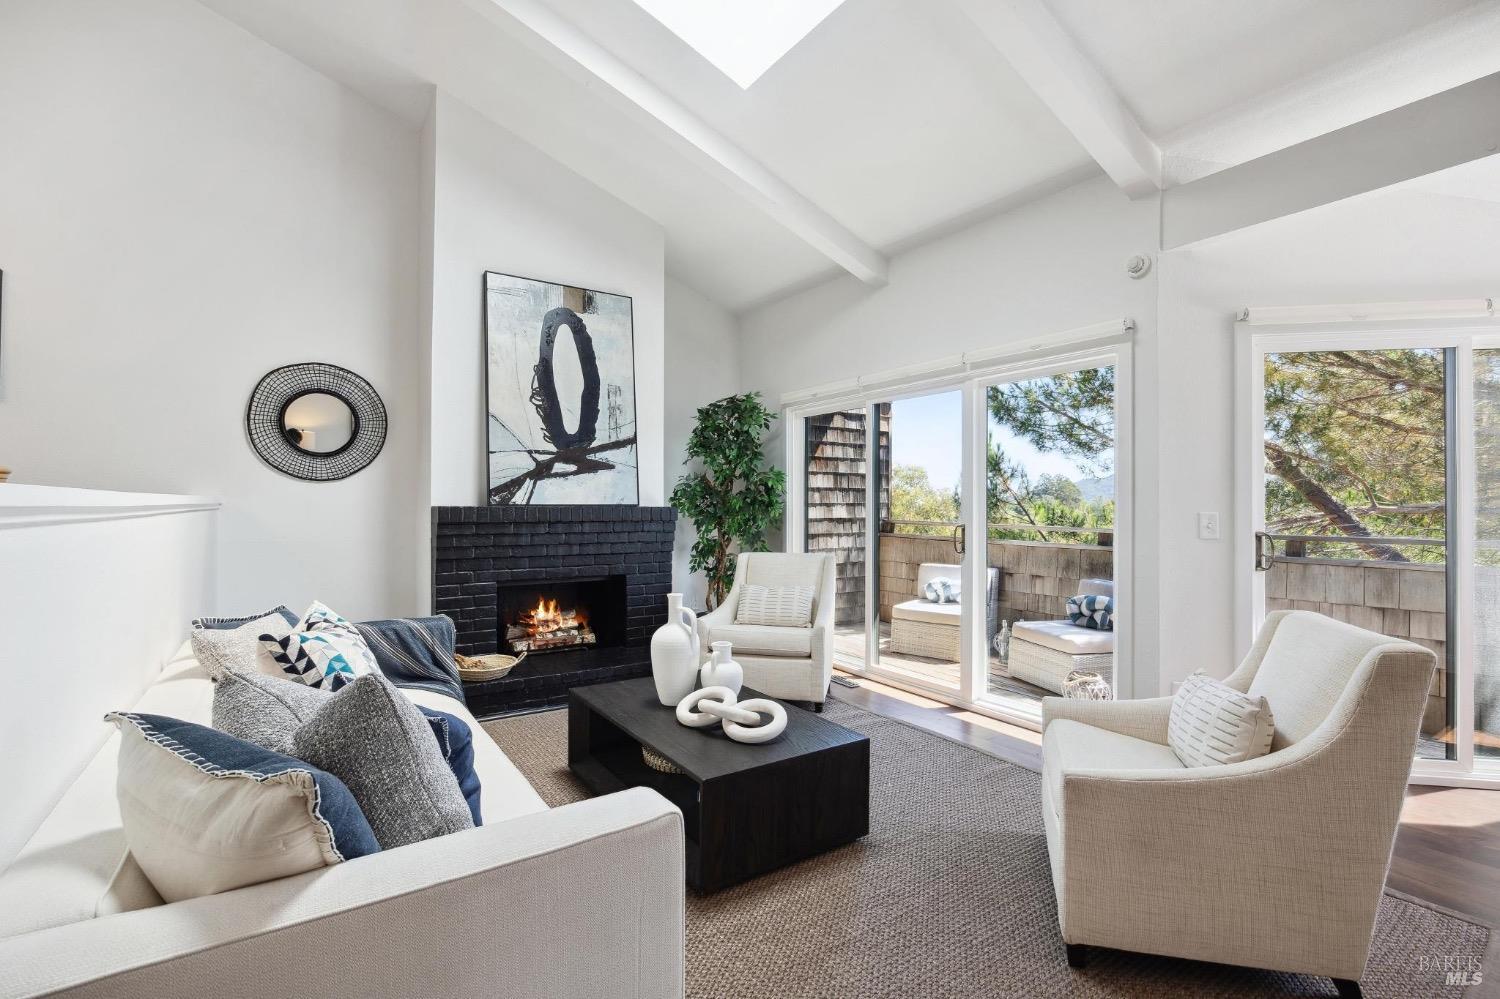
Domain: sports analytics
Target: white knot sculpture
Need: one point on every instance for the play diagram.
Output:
(742, 719)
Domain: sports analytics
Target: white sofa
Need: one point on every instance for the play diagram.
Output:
(794, 664)
(581, 900)
(1276, 862)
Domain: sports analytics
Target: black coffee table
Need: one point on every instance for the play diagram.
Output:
(746, 809)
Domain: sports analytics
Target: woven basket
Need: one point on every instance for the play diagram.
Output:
(476, 669)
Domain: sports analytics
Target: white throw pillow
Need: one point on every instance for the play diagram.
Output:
(775, 606)
(204, 812)
(1213, 723)
(325, 650)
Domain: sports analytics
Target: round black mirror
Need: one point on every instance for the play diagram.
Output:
(315, 421)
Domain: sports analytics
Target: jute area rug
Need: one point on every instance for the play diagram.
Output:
(950, 895)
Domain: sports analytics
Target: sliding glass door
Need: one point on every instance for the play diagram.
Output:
(1372, 462)
(919, 547)
(1356, 501)
(963, 509)
(1049, 533)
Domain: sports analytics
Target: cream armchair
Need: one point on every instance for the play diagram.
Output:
(794, 664)
(1277, 862)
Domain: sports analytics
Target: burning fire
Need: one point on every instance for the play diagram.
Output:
(547, 617)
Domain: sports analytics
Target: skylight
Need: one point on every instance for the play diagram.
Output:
(742, 38)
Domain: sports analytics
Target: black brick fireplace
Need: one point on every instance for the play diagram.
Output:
(599, 574)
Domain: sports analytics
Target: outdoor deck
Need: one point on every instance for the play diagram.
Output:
(849, 653)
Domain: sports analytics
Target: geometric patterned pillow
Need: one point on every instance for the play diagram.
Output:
(1088, 611)
(311, 658)
(325, 651)
(342, 634)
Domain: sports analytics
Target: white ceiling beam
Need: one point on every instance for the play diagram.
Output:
(539, 26)
(1050, 62)
(1426, 136)
(1439, 56)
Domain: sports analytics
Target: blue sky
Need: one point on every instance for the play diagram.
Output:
(927, 432)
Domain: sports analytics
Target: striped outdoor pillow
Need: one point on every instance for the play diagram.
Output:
(776, 606)
(1213, 723)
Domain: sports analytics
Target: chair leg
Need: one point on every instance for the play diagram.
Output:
(1078, 955)
(1348, 989)
(817, 707)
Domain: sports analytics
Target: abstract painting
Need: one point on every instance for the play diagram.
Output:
(560, 391)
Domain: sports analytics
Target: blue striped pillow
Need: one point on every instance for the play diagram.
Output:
(1089, 611)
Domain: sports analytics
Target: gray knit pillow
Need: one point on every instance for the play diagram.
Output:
(265, 710)
(219, 651)
(376, 741)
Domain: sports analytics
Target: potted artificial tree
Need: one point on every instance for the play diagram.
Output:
(736, 497)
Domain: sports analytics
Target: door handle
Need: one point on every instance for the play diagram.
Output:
(1265, 551)
(959, 544)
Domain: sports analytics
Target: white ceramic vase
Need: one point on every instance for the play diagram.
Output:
(675, 652)
(722, 671)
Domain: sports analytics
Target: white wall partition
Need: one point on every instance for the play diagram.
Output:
(98, 589)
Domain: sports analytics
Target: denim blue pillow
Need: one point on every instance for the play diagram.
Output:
(457, 741)
(220, 755)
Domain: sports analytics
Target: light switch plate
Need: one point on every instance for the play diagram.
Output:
(1208, 527)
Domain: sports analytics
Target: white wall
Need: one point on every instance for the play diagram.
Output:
(97, 591)
(499, 204)
(182, 209)
(1054, 265)
(702, 366)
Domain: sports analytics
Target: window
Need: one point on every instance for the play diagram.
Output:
(742, 40)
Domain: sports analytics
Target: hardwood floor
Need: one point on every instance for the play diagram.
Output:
(1447, 848)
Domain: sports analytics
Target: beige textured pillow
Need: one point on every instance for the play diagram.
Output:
(776, 606)
(1213, 723)
(198, 828)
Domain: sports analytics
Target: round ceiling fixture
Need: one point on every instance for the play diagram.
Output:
(315, 421)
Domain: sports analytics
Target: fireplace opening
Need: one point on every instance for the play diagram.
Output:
(561, 615)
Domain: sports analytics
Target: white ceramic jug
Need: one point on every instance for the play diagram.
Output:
(675, 652)
(722, 671)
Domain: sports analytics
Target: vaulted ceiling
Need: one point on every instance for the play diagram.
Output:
(892, 120)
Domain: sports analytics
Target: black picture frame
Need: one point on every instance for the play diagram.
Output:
(495, 495)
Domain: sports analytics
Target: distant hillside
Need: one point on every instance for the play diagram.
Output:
(1097, 488)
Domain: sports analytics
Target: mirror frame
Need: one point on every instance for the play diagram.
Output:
(265, 416)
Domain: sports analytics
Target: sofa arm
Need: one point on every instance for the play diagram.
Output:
(583, 900)
(1143, 719)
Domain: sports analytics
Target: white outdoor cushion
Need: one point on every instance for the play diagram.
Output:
(928, 571)
(1072, 746)
(1212, 723)
(758, 640)
(775, 606)
(1065, 636)
(927, 612)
